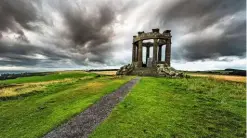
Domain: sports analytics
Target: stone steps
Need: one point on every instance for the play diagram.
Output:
(144, 72)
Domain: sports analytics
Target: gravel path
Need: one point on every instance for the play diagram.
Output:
(84, 123)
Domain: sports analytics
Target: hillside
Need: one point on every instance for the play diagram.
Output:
(155, 107)
(236, 72)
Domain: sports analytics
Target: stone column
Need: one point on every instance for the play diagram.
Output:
(133, 53)
(147, 54)
(136, 53)
(168, 53)
(139, 53)
(160, 53)
(155, 51)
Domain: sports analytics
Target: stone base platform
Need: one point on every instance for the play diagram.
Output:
(159, 70)
(144, 71)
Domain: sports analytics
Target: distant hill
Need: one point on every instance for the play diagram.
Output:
(236, 72)
(102, 70)
(5, 76)
(227, 71)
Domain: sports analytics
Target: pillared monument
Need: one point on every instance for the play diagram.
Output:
(151, 66)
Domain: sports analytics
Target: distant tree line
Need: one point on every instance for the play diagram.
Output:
(237, 72)
(102, 70)
(6, 76)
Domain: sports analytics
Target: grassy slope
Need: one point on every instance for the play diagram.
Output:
(25, 86)
(195, 107)
(50, 77)
(37, 114)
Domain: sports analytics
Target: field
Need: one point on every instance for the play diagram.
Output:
(156, 107)
(32, 106)
(194, 107)
(234, 78)
(222, 77)
(105, 72)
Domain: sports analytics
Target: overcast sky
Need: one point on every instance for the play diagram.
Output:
(83, 34)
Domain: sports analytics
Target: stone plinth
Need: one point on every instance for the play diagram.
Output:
(161, 70)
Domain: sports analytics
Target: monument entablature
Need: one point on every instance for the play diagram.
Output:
(150, 44)
(152, 35)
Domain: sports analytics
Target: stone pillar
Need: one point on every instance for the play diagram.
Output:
(147, 54)
(136, 53)
(155, 51)
(160, 53)
(133, 52)
(168, 53)
(139, 53)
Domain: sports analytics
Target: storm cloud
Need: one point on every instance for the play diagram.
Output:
(82, 33)
(211, 28)
(14, 13)
(17, 15)
(89, 31)
(27, 55)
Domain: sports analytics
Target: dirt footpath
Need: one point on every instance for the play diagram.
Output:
(84, 123)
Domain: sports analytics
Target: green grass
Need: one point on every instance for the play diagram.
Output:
(191, 108)
(25, 86)
(49, 77)
(36, 114)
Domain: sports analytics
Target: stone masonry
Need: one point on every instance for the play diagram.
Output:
(153, 66)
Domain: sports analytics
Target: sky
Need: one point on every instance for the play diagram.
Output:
(86, 34)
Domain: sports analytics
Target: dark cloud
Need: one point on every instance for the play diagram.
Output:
(26, 54)
(198, 15)
(231, 43)
(81, 31)
(89, 31)
(22, 36)
(17, 15)
(17, 12)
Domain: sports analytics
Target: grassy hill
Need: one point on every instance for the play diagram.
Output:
(32, 106)
(156, 107)
(191, 108)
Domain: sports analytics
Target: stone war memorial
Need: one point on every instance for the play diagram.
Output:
(151, 66)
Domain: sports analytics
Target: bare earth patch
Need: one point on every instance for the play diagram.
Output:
(105, 72)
